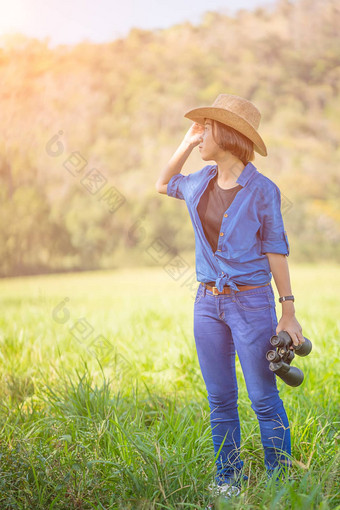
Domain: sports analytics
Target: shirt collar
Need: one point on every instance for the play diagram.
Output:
(248, 171)
(246, 174)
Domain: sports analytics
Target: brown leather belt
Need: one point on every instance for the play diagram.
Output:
(227, 290)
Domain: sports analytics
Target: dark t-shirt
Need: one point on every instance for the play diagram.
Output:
(212, 205)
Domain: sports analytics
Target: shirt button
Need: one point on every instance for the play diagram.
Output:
(225, 215)
(221, 234)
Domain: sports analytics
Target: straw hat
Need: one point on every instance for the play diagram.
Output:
(236, 112)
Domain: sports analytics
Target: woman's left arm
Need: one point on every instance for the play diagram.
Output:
(288, 322)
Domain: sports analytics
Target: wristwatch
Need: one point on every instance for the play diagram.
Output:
(286, 298)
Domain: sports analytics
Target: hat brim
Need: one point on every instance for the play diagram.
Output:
(229, 119)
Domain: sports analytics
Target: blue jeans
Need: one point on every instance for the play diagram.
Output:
(243, 322)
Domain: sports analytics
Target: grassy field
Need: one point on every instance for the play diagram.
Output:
(103, 404)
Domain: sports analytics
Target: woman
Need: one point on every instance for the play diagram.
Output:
(240, 244)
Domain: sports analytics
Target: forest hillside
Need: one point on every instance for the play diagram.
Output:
(87, 128)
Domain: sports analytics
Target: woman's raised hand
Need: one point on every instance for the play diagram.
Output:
(194, 135)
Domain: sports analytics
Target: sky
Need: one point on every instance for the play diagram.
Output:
(73, 21)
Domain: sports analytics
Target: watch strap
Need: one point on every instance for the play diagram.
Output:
(286, 298)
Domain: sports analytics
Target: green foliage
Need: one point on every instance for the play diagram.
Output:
(120, 105)
(124, 423)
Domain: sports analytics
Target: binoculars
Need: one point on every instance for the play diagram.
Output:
(282, 356)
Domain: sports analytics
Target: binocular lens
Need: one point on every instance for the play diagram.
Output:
(281, 358)
(272, 356)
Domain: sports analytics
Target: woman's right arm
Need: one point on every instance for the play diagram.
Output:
(192, 138)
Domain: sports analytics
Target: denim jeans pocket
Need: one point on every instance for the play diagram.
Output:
(199, 294)
(251, 301)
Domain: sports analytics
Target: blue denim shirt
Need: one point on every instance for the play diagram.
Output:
(251, 227)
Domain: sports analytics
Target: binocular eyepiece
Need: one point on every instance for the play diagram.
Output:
(280, 359)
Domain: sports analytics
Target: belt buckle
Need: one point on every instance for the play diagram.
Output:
(215, 291)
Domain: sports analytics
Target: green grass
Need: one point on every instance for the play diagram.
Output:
(103, 404)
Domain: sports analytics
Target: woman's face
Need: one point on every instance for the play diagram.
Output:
(208, 148)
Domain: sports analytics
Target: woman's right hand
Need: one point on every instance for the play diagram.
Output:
(194, 135)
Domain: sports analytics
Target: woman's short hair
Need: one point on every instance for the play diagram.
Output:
(228, 139)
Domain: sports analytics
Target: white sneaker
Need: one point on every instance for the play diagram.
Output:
(226, 489)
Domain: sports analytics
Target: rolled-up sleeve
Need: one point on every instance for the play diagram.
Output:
(273, 235)
(176, 186)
